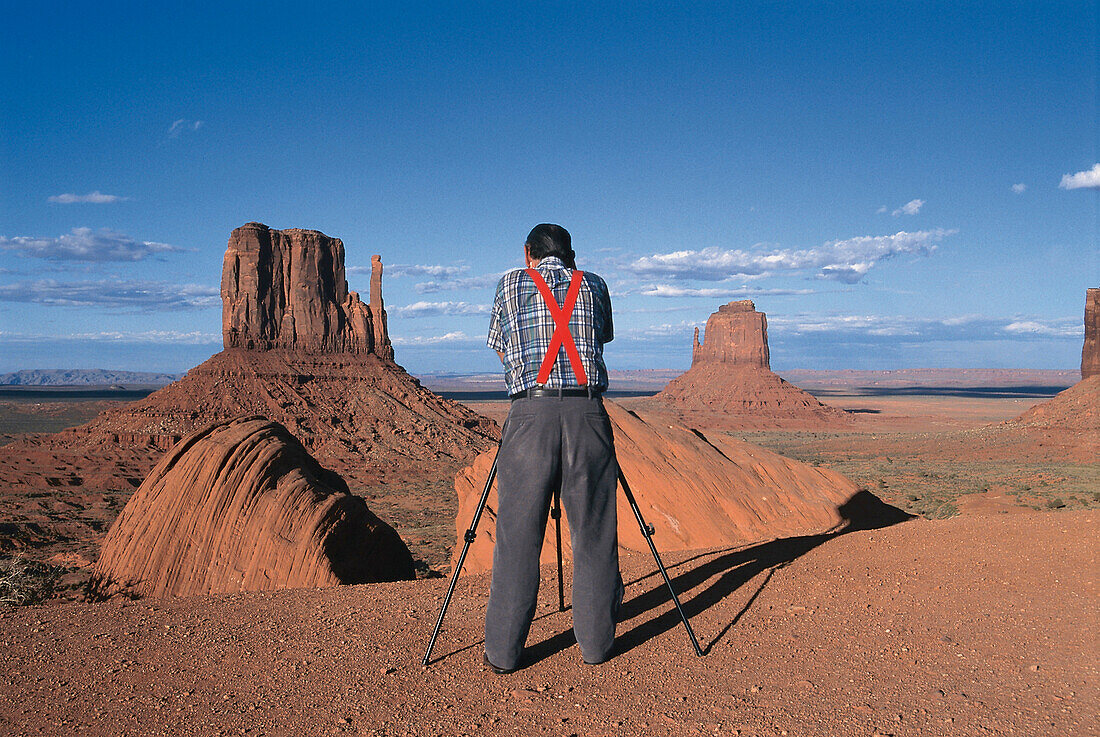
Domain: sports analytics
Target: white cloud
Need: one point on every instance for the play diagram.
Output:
(94, 198)
(183, 124)
(430, 309)
(426, 270)
(912, 207)
(664, 330)
(881, 209)
(120, 294)
(844, 260)
(1088, 179)
(469, 282)
(1019, 187)
(84, 244)
(160, 337)
(670, 290)
(955, 328)
(456, 336)
(1036, 327)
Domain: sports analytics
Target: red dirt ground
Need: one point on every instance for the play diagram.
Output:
(981, 625)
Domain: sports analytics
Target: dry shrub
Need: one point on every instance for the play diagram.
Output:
(25, 581)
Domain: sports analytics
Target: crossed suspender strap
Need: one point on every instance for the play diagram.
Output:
(562, 336)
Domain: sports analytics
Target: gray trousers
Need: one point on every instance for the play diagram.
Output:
(552, 443)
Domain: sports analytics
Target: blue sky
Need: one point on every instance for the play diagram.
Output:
(894, 184)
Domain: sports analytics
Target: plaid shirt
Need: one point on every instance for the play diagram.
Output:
(521, 327)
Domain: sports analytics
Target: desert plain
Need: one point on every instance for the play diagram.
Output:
(977, 616)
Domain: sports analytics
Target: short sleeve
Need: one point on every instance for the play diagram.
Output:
(605, 304)
(495, 339)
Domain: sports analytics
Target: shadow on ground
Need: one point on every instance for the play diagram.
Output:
(733, 569)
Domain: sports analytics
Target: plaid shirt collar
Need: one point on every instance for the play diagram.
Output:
(551, 262)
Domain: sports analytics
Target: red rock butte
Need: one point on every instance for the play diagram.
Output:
(697, 491)
(304, 351)
(1090, 351)
(241, 506)
(286, 289)
(731, 373)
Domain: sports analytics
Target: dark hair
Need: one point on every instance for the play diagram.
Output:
(551, 240)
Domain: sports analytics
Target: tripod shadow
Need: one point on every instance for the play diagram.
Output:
(735, 568)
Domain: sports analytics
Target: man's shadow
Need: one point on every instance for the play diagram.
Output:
(863, 511)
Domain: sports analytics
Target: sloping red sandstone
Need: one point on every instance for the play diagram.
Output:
(1090, 351)
(355, 412)
(730, 373)
(241, 506)
(697, 491)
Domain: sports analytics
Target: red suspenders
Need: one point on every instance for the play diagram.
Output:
(562, 336)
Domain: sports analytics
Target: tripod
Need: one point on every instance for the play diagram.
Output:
(555, 513)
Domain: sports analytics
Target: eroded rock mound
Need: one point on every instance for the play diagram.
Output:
(731, 373)
(241, 506)
(1090, 352)
(287, 289)
(697, 491)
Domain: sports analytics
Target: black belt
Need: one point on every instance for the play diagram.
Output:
(541, 391)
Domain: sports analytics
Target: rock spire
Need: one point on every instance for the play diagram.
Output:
(1090, 352)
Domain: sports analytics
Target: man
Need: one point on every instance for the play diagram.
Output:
(548, 325)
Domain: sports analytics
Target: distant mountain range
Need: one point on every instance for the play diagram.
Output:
(84, 377)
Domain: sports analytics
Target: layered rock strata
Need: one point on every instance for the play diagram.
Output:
(697, 491)
(731, 373)
(1090, 351)
(241, 506)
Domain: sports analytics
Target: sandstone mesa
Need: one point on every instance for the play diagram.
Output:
(303, 350)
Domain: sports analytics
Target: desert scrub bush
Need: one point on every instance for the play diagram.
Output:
(943, 511)
(25, 581)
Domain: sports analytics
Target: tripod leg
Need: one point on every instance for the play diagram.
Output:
(469, 538)
(555, 512)
(647, 532)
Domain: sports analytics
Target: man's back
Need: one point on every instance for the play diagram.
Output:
(522, 326)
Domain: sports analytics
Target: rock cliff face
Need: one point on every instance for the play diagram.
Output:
(241, 506)
(287, 289)
(730, 373)
(737, 335)
(1090, 353)
(697, 491)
